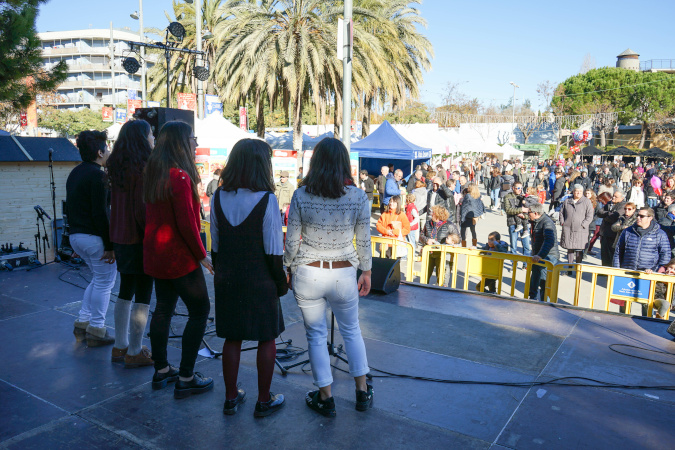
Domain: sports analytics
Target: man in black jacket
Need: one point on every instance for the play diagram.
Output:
(368, 187)
(558, 189)
(414, 178)
(610, 214)
(584, 180)
(440, 194)
(544, 246)
(381, 184)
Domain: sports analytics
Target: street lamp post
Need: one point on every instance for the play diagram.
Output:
(513, 104)
(347, 78)
(139, 16)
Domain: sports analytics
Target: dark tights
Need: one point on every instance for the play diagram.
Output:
(267, 352)
(575, 256)
(468, 223)
(136, 285)
(192, 290)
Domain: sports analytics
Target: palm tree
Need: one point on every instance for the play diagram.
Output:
(279, 49)
(182, 64)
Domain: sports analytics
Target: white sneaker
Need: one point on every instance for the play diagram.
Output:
(518, 229)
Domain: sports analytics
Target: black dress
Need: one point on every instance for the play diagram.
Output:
(247, 281)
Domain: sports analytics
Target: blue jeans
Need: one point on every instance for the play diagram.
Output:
(313, 287)
(413, 237)
(652, 202)
(494, 195)
(538, 280)
(525, 239)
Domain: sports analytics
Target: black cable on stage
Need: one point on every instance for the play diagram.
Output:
(660, 352)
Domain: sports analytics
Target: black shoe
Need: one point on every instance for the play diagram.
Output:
(197, 385)
(323, 407)
(364, 399)
(275, 403)
(160, 380)
(230, 407)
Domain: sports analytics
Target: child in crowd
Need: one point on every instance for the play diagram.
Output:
(414, 218)
(661, 303)
(453, 239)
(522, 222)
(541, 192)
(494, 244)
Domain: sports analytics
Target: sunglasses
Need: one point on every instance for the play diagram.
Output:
(518, 188)
(642, 216)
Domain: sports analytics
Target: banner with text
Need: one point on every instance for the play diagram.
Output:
(107, 113)
(187, 101)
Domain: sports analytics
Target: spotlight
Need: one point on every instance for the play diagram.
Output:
(202, 73)
(131, 65)
(177, 29)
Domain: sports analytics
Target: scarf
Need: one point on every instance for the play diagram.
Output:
(434, 229)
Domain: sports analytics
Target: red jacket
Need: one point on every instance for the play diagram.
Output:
(172, 246)
(127, 213)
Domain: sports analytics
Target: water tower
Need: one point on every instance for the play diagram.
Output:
(628, 60)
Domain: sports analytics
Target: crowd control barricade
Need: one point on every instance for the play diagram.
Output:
(485, 265)
(376, 200)
(206, 228)
(627, 285)
(396, 250)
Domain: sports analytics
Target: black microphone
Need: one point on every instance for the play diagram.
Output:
(39, 210)
(51, 152)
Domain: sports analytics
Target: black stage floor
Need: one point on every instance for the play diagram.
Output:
(55, 393)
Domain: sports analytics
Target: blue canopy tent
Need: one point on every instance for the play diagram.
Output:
(385, 145)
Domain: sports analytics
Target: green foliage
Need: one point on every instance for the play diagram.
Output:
(414, 112)
(21, 57)
(70, 123)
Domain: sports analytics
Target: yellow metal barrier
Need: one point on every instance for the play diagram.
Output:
(385, 242)
(483, 264)
(376, 200)
(630, 294)
(206, 228)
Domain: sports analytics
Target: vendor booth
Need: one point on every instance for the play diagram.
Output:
(621, 154)
(386, 146)
(656, 155)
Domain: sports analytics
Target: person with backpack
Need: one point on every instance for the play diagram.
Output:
(505, 188)
(494, 186)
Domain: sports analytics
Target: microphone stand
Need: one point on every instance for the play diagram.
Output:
(52, 183)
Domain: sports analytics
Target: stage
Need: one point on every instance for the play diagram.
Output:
(56, 393)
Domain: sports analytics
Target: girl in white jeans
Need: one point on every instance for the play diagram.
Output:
(327, 212)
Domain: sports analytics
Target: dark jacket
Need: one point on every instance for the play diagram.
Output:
(610, 214)
(495, 183)
(544, 240)
(650, 250)
(585, 182)
(368, 187)
(471, 208)
(446, 229)
(381, 183)
(88, 202)
(662, 216)
(411, 183)
(513, 205)
(623, 223)
(445, 197)
(558, 190)
(506, 179)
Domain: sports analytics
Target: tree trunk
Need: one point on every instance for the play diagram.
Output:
(297, 125)
(286, 103)
(643, 135)
(259, 114)
(367, 107)
(337, 117)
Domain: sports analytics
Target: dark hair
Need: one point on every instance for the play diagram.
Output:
(364, 172)
(329, 169)
(249, 166)
(129, 154)
(217, 172)
(496, 235)
(172, 150)
(90, 142)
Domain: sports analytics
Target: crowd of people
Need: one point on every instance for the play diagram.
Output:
(628, 207)
(137, 211)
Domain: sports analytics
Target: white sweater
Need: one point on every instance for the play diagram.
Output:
(323, 229)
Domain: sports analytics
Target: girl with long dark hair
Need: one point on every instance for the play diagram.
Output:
(173, 253)
(127, 226)
(249, 278)
(327, 214)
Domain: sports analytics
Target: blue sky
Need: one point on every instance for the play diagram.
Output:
(487, 43)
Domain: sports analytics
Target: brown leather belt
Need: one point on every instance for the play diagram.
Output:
(326, 264)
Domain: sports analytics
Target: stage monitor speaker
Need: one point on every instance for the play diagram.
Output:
(386, 275)
(157, 117)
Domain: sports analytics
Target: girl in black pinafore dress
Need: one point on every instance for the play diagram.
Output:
(249, 278)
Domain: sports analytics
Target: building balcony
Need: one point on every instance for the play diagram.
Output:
(76, 51)
(92, 84)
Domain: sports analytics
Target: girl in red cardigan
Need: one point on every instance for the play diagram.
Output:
(173, 254)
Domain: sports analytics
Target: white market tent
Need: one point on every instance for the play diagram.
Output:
(504, 152)
(285, 141)
(215, 131)
(113, 131)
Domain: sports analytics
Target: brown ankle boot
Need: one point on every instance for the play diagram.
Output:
(144, 358)
(463, 243)
(118, 354)
(474, 242)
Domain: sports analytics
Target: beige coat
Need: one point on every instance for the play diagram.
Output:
(575, 219)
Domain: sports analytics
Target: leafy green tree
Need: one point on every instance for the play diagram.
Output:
(69, 123)
(414, 112)
(22, 76)
(651, 99)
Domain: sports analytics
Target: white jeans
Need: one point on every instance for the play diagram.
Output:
(97, 295)
(314, 286)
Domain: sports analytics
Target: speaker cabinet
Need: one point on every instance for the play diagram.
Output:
(386, 275)
(157, 117)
